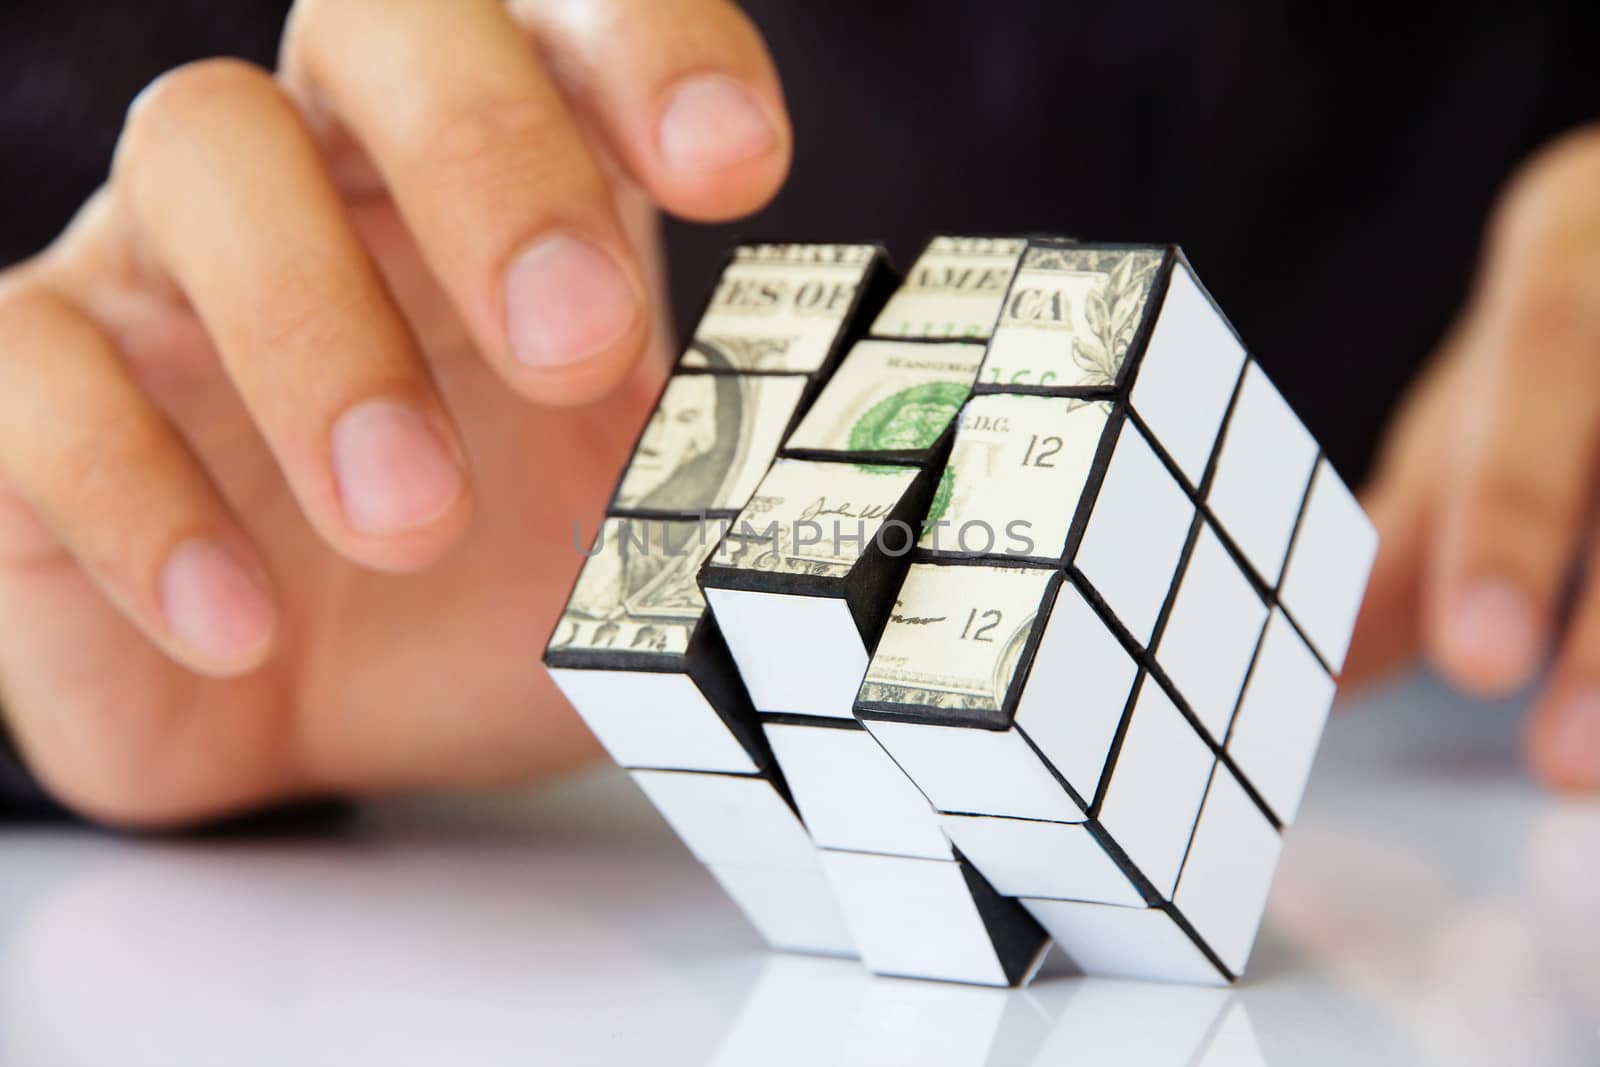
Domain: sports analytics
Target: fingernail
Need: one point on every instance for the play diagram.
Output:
(712, 122)
(212, 603)
(566, 300)
(1496, 631)
(1574, 740)
(394, 473)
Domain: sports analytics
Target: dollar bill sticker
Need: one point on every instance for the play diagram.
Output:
(1070, 316)
(779, 307)
(708, 443)
(637, 591)
(817, 518)
(955, 637)
(890, 396)
(1016, 475)
(954, 290)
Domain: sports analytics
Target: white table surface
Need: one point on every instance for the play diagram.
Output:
(1433, 907)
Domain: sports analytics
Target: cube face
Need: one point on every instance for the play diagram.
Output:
(1211, 634)
(636, 596)
(1076, 692)
(1281, 716)
(954, 290)
(1071, 316)
(974, 771)
(1028, 858)
(1157, 787)
(1329, 562)
(955, 639)
(764, 629)
(813, 519)
(1186, 379)
(730, 820)
(1016, 476)
(1223, 888)
(1134, 538)
(889, 399)
(655, 719)
(1118, 942)
(851, 794)
(920, 918)
(780, 307)
(709, 442)
(1263, 471)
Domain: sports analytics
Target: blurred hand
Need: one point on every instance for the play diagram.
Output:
(1485, 489)
(284, 498)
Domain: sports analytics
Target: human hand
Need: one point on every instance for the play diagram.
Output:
(295, 415)
(1485, 488)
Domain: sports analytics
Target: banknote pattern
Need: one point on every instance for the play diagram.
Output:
(1070, 317)
(954, 290)
(1016, 472)
(814, 518)
(708, 443)
(637, 591)
(890, 396)
(955, 637)
(779, 308)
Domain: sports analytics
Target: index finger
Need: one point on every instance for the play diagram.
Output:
(492, 176)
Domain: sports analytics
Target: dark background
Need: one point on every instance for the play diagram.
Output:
(1328, 173)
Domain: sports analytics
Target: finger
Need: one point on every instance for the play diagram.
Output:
(684, 91)
(1388, 635)
(493, 177)
(1563, 731)
(227, 191)
(1514, 510)
(112, 480)
(1401, 500)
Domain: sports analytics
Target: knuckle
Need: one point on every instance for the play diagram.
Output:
(95, 466)
(503, 146)
(301, 308)
(1516, 505)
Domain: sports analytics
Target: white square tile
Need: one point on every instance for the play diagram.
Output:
(1024, 858)
(1135, 534)
(1262, 473)
(653, 719)
(972, 771)
(1223, 889)
(914, 917)
(1329, 565)
(1211, 635)
(1075, 693)
(1115, 942)
(793, 910)
(730, 820)
(800, 654)
(1157, 785)
(852, 796)
(1187, 375)
(1281, 717)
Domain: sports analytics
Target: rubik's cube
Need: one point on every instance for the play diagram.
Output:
(1030, 628)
